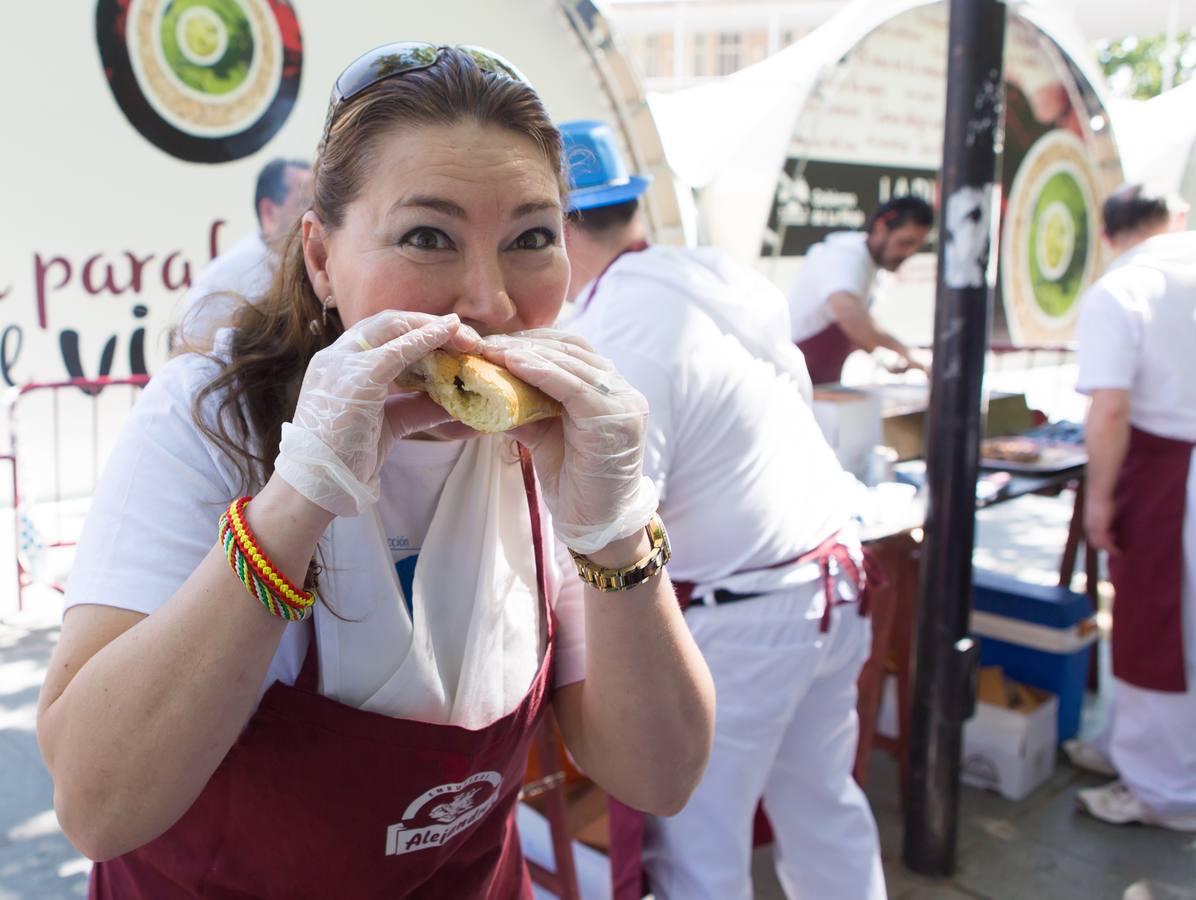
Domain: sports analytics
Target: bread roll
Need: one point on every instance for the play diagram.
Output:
(475, 391)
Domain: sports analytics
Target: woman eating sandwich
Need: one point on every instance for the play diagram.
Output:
(314, 618)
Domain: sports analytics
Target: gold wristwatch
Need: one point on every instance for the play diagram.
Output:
(610, 580)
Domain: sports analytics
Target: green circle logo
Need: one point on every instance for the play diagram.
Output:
(1058, 238)
(207, 46)
(1050, 249)
(205, 80)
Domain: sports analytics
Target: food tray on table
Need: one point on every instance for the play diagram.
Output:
(1027, 455)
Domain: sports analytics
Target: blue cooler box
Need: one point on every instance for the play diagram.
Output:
(1041, 636)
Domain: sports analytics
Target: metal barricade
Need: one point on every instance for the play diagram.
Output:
(66, 449)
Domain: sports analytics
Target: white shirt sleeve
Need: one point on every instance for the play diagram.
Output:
(845, 276)
(153, 517)
(1108, 336)
(840, 264)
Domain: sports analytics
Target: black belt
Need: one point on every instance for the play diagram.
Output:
(718, 598)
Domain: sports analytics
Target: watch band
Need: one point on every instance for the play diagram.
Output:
(622, 579)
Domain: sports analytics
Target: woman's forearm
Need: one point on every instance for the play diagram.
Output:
(642, 722)
(133, 733)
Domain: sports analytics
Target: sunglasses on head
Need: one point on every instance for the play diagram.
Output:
(393, 60)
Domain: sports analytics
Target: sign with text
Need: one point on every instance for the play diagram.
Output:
(873, 128)
(135, 164)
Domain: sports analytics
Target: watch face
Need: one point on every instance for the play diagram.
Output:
(204, 80)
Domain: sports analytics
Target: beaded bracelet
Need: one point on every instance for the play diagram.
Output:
(260, 577)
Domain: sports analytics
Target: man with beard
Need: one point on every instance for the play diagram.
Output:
(829, 303)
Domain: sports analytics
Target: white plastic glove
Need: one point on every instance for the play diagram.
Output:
(346, 419)
(590, 461)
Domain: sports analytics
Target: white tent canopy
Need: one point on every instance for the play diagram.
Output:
(812, 139)
(728, 139)
(707, 126)
(1158, 139)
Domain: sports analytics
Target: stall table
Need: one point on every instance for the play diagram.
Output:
(893, 537)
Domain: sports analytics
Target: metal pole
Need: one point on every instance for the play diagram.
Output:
(944, 688)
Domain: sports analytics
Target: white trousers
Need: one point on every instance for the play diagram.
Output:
(1152, 739)
(1153, 746)
(785, 730)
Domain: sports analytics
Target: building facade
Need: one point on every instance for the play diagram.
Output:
(681, 43)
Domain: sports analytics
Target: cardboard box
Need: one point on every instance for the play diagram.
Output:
(904, 434)
(1009, 744)
(1007, 414)
(904, 412)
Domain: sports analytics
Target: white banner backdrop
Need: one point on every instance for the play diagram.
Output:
(105, 228)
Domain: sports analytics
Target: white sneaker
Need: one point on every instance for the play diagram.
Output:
(1116, 804)
(1085, 756)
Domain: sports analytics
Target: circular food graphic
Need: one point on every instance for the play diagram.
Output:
(1055, 246)
(1050, 240)
(204, 80)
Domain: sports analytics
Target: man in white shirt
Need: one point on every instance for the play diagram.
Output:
(747, 486)
(243, 272)
(1137, 360)
(830, 300)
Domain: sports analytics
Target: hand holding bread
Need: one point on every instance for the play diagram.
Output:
(584, 424)
(590, 460)
(333, 449)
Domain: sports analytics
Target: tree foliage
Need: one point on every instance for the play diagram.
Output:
(1134, 65)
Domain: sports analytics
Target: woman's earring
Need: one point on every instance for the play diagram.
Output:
(321, 326)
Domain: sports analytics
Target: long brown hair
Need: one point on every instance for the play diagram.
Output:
(275, 339)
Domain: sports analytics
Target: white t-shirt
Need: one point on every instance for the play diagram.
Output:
(153, 518)
(241, 273)
(1137, 332)
(746, 478)
(839, 263)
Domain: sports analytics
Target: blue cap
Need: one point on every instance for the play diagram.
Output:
(598, 175)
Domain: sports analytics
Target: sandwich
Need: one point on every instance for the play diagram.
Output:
(475, 391)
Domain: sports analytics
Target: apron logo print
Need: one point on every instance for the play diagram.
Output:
(439, 814)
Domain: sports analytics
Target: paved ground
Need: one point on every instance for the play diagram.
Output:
(1039, 848)
(36, 861)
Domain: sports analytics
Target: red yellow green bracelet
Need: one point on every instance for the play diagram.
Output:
(260, 577)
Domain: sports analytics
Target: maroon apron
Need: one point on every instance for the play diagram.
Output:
(317, 799)
(628, 879)
(1150, 502)
(826, 352)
